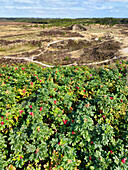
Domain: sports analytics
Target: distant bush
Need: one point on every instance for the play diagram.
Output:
(36, 25)
(67, 21)
(64, 117)
(66, 58)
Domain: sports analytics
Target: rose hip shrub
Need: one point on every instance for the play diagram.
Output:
(64, 118)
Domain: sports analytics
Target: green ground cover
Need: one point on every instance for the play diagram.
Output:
(64, 118)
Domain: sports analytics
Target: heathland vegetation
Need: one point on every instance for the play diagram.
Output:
(64, 117)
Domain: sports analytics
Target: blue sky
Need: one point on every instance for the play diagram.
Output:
(64, 8)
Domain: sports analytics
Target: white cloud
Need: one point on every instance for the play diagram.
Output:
(119, 0)
(61, 2)
(9, 7)
(24, 1)
(104, 7)
(64, 8)
(48, 8)
(102, 1)
(24, 8)
(4, 1)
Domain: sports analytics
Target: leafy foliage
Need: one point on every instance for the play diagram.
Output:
(63, 117)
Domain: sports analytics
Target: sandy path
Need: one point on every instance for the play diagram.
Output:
(124, 49)
(46, 65)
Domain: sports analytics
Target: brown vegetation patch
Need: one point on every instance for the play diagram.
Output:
(121, 25)
(58, 33)
(5, 42)
(55, 57)
(76, 27)
(34, 42)
(26, 54)
(8, 36)
(21, 47)
(87, 52)
(8, 61)
(70, 45)
(124, 31)
(99, 52)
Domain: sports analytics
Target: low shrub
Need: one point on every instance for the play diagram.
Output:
(64, 117)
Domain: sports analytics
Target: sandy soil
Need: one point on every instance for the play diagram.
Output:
(14, 23)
